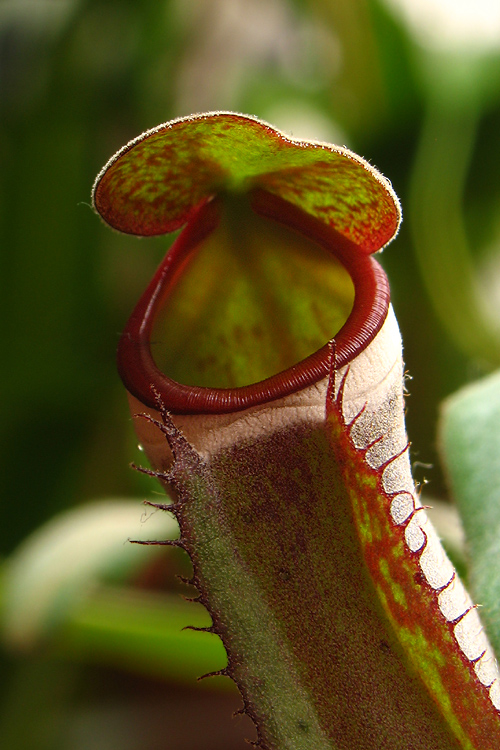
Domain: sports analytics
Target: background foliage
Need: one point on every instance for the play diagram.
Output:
(415, 92)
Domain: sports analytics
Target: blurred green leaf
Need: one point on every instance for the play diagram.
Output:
(146, 633)
(470, 445)
(62, 562)
(441, 244)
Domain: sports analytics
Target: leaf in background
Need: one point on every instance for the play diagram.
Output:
(57, 567)
(344, 622)
(144, 632)
(469, 438)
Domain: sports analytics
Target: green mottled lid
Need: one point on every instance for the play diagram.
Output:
(155, 183)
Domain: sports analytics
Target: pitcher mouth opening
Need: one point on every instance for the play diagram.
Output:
(143, 378)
